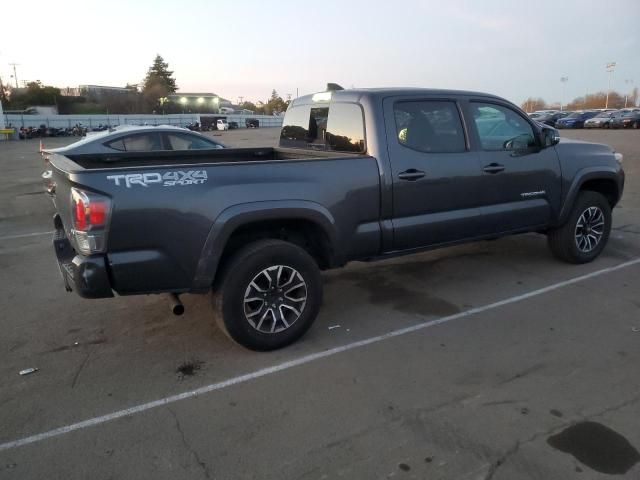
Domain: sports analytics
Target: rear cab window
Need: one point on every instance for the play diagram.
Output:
(331, 126)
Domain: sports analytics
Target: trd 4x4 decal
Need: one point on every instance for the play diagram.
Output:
(167, 179)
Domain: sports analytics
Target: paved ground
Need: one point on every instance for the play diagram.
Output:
(542, 386)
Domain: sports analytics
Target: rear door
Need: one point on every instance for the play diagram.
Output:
(520, 186)
(435, 176)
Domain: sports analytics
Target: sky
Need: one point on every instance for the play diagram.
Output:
(512, 48)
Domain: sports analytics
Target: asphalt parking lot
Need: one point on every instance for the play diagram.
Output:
(484, 361)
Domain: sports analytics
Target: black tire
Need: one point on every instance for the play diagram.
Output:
(234, 283)
(562, 240)
(636, 125)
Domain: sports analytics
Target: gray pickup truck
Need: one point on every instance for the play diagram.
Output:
(359, 175)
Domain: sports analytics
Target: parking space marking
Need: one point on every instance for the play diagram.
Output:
(25, 235)
(304, 360)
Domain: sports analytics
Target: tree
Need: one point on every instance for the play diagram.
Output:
(533, 104)
(246, 105)
(275, 105)
(597, 100)
(158, 83)
(34, 94)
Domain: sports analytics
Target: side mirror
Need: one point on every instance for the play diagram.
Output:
(550, 137)
(519, 143)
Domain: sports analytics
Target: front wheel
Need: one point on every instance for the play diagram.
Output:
(584, 235)
(268, 295)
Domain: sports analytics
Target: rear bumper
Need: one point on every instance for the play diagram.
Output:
(87, 276)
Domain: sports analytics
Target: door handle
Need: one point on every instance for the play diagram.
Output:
(412, 174)
(493, 168)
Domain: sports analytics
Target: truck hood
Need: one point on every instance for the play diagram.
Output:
(573, 153)
(588, 146)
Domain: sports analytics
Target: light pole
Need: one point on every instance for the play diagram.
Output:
(162, 102)
(563, 80)
(610, 68)
(15, 74)
(629, 82)
(183, 101)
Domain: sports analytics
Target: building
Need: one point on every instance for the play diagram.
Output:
(199, 101)
(95, 92)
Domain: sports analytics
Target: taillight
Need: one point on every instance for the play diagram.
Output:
(91, 213)
(80, 219)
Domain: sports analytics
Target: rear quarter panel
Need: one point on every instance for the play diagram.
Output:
(157, 233)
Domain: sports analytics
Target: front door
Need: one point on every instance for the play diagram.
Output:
(520, 178)
(435, 176)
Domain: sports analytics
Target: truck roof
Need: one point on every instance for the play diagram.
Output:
(355, 94)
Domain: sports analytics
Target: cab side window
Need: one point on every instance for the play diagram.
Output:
(501, 128)
(432, 126)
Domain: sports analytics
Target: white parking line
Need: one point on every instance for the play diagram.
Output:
(302, 360)
(25, 235)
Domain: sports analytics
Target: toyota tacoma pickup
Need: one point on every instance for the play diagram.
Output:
(359, 174)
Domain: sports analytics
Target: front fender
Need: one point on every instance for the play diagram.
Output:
(584, 175)
(236, 216)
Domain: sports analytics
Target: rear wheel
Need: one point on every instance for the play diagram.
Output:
(268, 295)
(583, 237)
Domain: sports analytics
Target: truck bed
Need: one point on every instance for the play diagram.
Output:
(195, 157)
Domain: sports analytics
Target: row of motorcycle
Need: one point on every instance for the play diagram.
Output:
(42, 131)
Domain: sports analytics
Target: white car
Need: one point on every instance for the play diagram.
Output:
(222, 125)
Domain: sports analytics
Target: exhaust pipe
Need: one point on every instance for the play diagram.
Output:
(176, 305)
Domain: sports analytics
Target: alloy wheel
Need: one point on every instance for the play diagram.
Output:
(589, 229)
(275, 299)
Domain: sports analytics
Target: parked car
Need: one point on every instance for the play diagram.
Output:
(551, 118)
(222, 125)
(256, 225)
(629, 119)
(601, 120)
(131, 138)
(233, 125)
(252, 123)
(575, 119)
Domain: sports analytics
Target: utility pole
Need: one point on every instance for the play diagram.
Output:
(15, 74)
(563, 80)
(240, 102)
(610, 68)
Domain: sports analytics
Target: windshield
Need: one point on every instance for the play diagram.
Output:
(629, 114)
(603, 115)
(575, 115)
